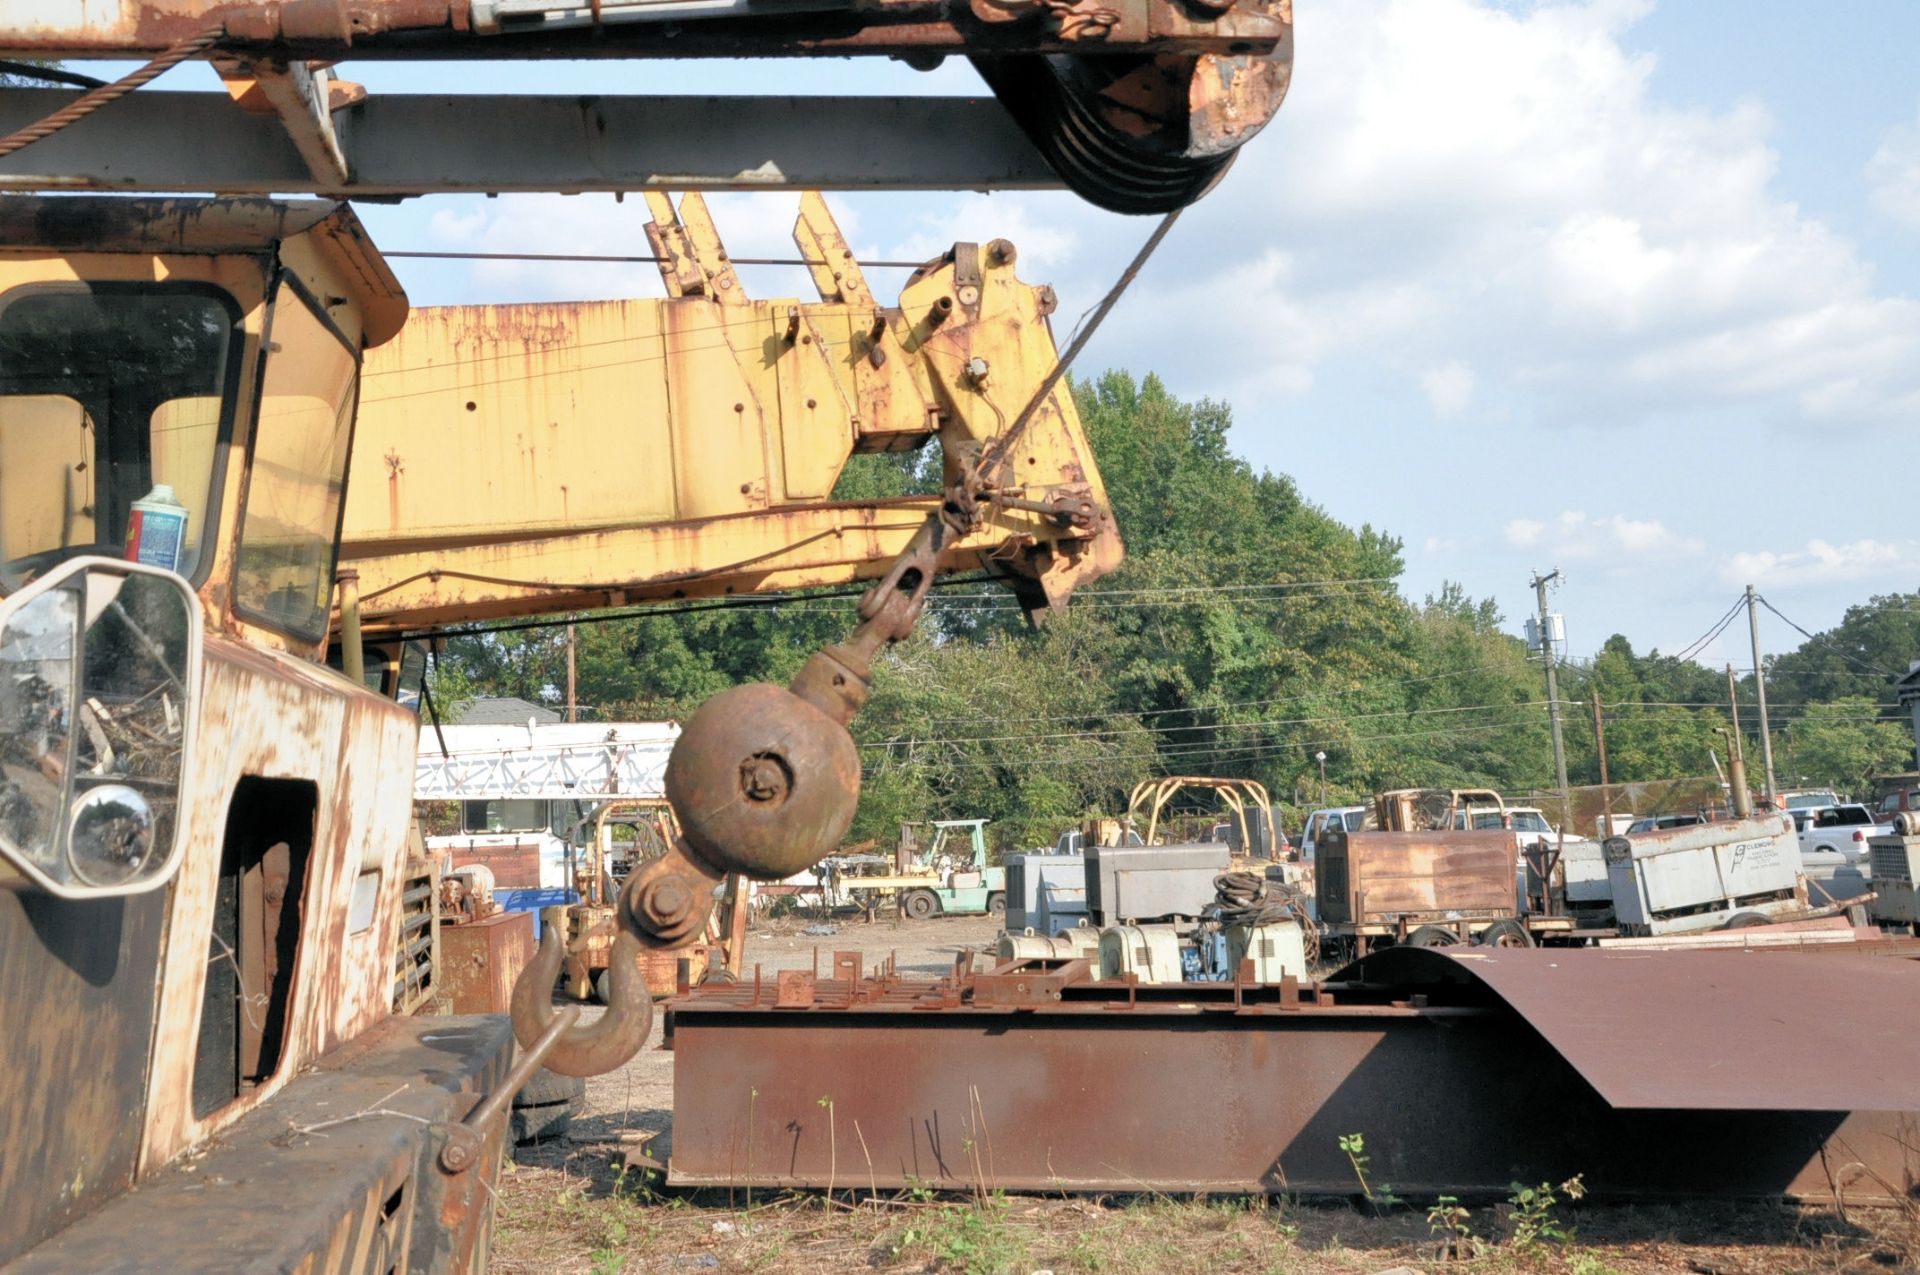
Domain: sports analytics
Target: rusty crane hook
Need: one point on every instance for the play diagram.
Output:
(608, 1041)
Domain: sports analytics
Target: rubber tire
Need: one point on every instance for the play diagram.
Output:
(1432, 936)
(1505, 934)
(544, 1088)
(547, 1123)
(718, 976)
(600, 987)
(996, 904)
(919, 905)
(1746, 920)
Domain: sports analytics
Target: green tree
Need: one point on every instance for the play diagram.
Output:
(1843, 743)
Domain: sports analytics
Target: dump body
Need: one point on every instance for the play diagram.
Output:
(1403, 879)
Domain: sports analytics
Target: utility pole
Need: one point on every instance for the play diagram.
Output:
(1540, 583)
(1760, 693)
(1600, 745)
(573, 706)
(1737, 755)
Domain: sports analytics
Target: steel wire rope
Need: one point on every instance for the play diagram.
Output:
(95, 98)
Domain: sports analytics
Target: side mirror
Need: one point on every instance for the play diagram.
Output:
(99, 685)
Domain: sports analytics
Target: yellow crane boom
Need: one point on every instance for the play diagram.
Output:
(525, 459)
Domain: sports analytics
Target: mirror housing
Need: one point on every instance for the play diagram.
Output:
(99, 690)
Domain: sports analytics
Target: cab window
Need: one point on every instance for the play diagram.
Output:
(109, 392)
(290, 531)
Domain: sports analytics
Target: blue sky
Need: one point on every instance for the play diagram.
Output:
(1626, 288)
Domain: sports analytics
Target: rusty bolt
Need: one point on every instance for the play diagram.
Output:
(1001, 253)
(764, 779)
(739, 407)
(811, 403)
(1048, 301)
(665, 901)
(456, 1156)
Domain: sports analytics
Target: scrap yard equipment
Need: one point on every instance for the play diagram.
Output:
(1649, 1073)
(205, 828)
(1253, 830)
(592, 921)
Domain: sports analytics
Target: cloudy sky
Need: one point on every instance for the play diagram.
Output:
(1627, 288)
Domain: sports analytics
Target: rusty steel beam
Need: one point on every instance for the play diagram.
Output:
(412, 144)
(1211, 1088)
(522, 29)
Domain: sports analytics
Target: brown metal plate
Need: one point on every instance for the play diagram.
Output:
(1779, 1031)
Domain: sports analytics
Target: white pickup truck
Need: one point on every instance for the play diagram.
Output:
(1321, 822)
(1834, 852)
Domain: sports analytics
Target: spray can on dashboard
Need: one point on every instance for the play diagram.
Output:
(157, 531)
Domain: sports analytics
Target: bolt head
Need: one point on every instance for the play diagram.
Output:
(666, 901)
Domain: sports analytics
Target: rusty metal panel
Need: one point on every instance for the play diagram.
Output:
(1712, 1030)
(77, 994)
(360, 1193)
(1097, 1096)
(1377, 877)
(480, 960)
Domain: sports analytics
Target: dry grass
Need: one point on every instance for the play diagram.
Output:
(572, 1211)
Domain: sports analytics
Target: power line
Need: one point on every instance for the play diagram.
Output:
(1718, 627)
(1871, 668)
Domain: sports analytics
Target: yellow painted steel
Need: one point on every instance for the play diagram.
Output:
(524, 459)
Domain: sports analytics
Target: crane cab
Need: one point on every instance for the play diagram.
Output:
(202, 826)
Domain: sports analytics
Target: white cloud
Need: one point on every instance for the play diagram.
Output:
(1822, 563)
(1523, 533)
(1616, 538)
(1449, 388)
(1893, 174)
(1501, 189)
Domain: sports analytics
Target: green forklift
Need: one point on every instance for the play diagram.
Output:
(951, 878)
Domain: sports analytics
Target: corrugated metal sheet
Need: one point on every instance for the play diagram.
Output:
(1733, 1031)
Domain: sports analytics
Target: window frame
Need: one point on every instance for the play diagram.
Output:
(274, 624)
(208, 548)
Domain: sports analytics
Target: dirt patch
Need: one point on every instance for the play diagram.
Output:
(572, 1207)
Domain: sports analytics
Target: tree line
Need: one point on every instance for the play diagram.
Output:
(1248, 632)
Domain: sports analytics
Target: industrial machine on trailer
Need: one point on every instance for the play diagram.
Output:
(1433, 867)
(161, 733)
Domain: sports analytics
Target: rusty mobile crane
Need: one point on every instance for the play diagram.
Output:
(202, 826)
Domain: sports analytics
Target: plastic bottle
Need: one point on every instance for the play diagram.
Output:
(157, 533)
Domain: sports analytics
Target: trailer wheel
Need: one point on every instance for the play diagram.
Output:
(996, 904)
(920, 904)
(600, 987)
(1743, 920)
(1432, 936)
(1505, 934)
